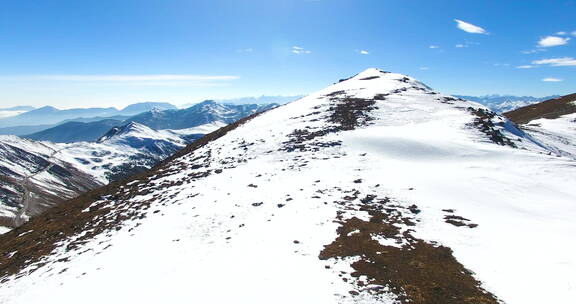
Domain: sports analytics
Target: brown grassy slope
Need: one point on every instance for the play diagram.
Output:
(550, 109)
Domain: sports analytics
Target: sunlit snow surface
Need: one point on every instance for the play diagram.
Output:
(206, 241)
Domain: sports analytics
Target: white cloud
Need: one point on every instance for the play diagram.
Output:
(525, 67)
(470, 28)
(433, 47)
(551, 79)
(424, 68)
(551, 41)
(299, 50)
(247, 50)
(363, 52)
(459, 45)
(573, 33)
(561, 33)
(563, 61)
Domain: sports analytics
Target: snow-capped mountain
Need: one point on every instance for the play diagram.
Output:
(123, 151)
(376, 189)
(199, 114)
(552, 123)
(202, 114)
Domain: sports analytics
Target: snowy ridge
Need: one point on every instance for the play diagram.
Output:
(374, 190)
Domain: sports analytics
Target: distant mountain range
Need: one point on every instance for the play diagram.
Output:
(200, 114)
(18, 108)
(505, 103)
(254, 100)
(50, 115)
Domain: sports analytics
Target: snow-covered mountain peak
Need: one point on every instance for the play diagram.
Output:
(375, 83)
(131, 129)
(214, 108)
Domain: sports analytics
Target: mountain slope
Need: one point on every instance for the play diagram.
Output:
(34, 178)
(374, 190)
(550, 109)
(552, 122)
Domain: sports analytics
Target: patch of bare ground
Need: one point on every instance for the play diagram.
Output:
(459, 221)
(96, 212)
(550, 109)
(417, 271)
(344, 113)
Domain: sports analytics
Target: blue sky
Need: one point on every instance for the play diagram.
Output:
(70, 53)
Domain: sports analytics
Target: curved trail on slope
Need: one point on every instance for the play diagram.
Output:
(25, 183)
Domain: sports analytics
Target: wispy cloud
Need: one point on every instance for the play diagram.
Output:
(128, 78)
(433, 47)
(562, 61)
(551, 41)
(551, 79)
(561, 33)
(300, 50)
(246, 50)
(132, 80)
(573, 33)
(424, 68)
(363, 52)
(525, 67)
(534, 51)
(469, 27)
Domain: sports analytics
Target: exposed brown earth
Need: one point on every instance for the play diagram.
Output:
(550, 109)
(343, 113)
(417, 271)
